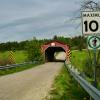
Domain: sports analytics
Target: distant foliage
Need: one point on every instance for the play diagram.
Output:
(78, 42)
(33, 47)
(12, 46)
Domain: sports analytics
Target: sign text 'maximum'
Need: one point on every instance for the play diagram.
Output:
(91, 15)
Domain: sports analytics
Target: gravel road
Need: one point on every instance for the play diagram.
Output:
(32, 84)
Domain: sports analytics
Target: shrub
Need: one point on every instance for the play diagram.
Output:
(33, 51)
(3, 61)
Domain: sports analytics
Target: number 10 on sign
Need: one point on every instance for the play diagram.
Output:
(91, 23)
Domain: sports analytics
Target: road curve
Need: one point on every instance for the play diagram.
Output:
(32, 84)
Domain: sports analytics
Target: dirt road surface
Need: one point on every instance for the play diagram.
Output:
(32, 84)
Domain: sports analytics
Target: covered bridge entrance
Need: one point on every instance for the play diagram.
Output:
(50, 48)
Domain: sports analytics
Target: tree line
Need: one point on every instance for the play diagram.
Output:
(78, 42)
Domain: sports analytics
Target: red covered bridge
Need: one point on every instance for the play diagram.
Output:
(50, 48)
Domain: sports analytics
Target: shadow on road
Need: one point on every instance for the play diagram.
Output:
(58, 60)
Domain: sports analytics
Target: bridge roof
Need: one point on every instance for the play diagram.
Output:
(53, 44)
(55, 41)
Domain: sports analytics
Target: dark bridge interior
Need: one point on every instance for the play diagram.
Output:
(50, 54)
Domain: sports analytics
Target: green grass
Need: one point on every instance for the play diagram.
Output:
(79, 60)
(20, 56)
(17, 69)
(78, 57)
(66, 88)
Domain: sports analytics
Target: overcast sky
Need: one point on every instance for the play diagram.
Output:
(23, 19)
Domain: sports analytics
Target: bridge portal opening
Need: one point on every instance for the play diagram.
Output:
(50, 51)
(55, 54)
(60, 56)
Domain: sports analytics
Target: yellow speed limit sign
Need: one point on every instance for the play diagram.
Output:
(91, 22)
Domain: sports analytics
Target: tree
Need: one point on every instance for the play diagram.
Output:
(86, 5)
(90, 5)
(33, 50)
(55, 37)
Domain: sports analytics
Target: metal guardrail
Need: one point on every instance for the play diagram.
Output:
(90, 89)
(16, 65)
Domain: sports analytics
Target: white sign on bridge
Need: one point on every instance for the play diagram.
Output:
(91, 23)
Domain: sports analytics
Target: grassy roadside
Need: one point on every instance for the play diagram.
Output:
(17, 69)
(81, 60)
(78, 57)
(19, 56)
(66, 88)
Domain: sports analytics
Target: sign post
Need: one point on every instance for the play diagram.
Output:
(95, 81)
(91, 27)
(94, 43)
